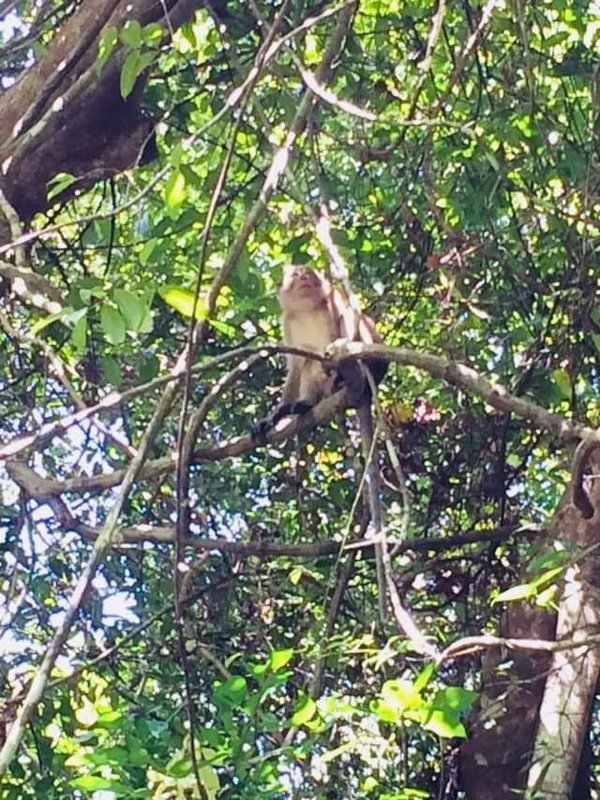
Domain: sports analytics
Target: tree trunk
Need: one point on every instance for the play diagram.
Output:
(61, 116)
(533, 716)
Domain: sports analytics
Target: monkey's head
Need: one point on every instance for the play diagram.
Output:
(302, 289)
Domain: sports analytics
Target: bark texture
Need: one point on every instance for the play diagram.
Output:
(61, 116)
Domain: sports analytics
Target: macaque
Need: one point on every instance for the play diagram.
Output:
(313, 316)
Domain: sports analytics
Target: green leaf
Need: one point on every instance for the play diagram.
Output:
(150, 368)
(109, 719)
(182, 300)
(111, 370)
(79, 335)
(546, 577)
(563, 382)
(446, 724)
(113, 324)
(129, 74)
(397, 697)
(107, 44)
(72, 316)
(176, 155)
(279, 658)
(59, 183)
(131, 307)
(305, 710)
(223, 327)
(454, 697)
(330, 755)
(521, 592)
(547, 597)
(175, 190)
(424, 677)
(131, 33)
(210, 781)
(555, 558)
(152, 34)
(95, 783)
(110, 755)
(258, 670)
(295, 575)
(401, 693)
(138, 756)
(232, 692)
(147, 250)
(147, 321)
(132, 68)
(87, 294)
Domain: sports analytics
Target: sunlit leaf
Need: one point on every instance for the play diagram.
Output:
(175, 190)
(521, 592)
(305, 711)
(59, 183)
(182, 300)
(86, 715)
(296, 575)
(279, 658)
(109, 39)
(95, 783)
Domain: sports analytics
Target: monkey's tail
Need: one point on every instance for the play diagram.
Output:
(377, 532)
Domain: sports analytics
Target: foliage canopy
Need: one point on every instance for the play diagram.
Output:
(456, 148)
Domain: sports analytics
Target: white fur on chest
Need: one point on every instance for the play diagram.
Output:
(311, 330)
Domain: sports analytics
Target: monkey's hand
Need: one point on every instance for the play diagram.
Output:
(348, 369)
(337, 350)
(260, 430)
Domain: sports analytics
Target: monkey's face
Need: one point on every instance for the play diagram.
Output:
(302, 289)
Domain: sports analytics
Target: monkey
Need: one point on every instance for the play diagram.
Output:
(314, 316)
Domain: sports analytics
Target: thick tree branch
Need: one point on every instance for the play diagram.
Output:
(468, 379)
(455, 374)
